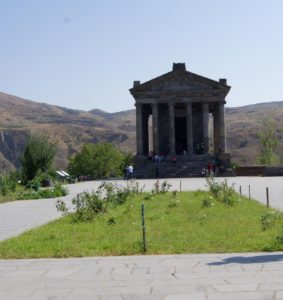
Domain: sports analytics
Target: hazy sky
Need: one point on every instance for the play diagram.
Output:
(85, 54)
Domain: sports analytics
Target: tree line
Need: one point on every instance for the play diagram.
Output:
(104, 160)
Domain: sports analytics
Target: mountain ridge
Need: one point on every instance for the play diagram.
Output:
(71, 128)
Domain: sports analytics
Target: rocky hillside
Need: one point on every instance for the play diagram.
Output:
(242, 126)
(71, 128)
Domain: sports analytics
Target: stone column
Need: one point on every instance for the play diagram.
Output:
(189, 119)
(172, 129)
(216, 131)
(155, 131)
(205, 118)
(139, 128)
(145, 132)
(222, 135)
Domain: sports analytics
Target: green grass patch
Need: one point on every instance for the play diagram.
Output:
(23, 193)
(177, 223)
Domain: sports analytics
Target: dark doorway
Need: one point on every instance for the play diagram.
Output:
(181, 135)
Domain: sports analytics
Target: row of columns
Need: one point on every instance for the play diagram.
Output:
(218, 128)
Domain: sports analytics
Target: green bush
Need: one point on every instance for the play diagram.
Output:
(38, 156)
(56, 191)
(270, 219)
(207, 202)
(88, 205)
(98, 161)
(222, 191)
(8, 184)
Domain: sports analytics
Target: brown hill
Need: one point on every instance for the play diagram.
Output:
(71, 128)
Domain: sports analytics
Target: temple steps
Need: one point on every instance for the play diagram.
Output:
(182, 168)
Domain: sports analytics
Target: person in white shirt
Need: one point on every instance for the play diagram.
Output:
(130, 172)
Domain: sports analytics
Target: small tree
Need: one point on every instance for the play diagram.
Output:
(38, 155)
(98, 161)
(269, 143)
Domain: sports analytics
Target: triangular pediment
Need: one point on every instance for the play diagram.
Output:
(183, 82)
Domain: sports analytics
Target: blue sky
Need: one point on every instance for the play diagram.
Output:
(86, 54)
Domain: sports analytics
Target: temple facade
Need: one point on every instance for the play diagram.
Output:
(180, 104)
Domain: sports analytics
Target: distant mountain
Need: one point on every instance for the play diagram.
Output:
(71, 128)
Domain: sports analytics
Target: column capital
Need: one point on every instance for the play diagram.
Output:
(137, 104)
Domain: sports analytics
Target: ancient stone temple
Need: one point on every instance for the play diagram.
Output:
(181, 105)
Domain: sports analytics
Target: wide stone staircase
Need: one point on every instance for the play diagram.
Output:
(169, 169)
(182, 168)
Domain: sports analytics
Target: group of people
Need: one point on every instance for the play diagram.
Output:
(155, 157)
(129, 172)
(210, 170)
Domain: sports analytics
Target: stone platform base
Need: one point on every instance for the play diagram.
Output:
(183, 167)
(259, 170)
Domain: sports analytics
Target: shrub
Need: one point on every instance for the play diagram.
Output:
(270, 219)
(207, 202)
(222, 191)
(163, 188)
(88, 205)
(8, 184)
(57, 191)
(98, 161)
(38, 155)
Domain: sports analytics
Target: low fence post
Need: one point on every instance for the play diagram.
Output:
(267, 197)
(249, 192)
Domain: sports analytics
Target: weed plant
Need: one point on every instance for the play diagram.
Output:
(222, 192)
(88, 205)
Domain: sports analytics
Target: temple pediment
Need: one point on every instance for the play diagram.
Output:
(173, 113)
(180, 81)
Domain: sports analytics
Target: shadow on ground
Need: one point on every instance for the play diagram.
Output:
(249, 259)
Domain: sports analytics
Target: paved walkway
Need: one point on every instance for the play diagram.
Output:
(180, 277)
(19, 216)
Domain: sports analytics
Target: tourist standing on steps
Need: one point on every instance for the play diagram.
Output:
(130, 172)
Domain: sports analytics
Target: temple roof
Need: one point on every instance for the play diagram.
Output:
(180, 82)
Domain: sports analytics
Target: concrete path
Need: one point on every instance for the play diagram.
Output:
(19, 216)
(180, 277)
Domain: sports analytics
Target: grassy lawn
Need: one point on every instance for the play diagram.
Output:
(173, 225)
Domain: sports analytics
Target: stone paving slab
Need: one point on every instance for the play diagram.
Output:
(145, 277)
